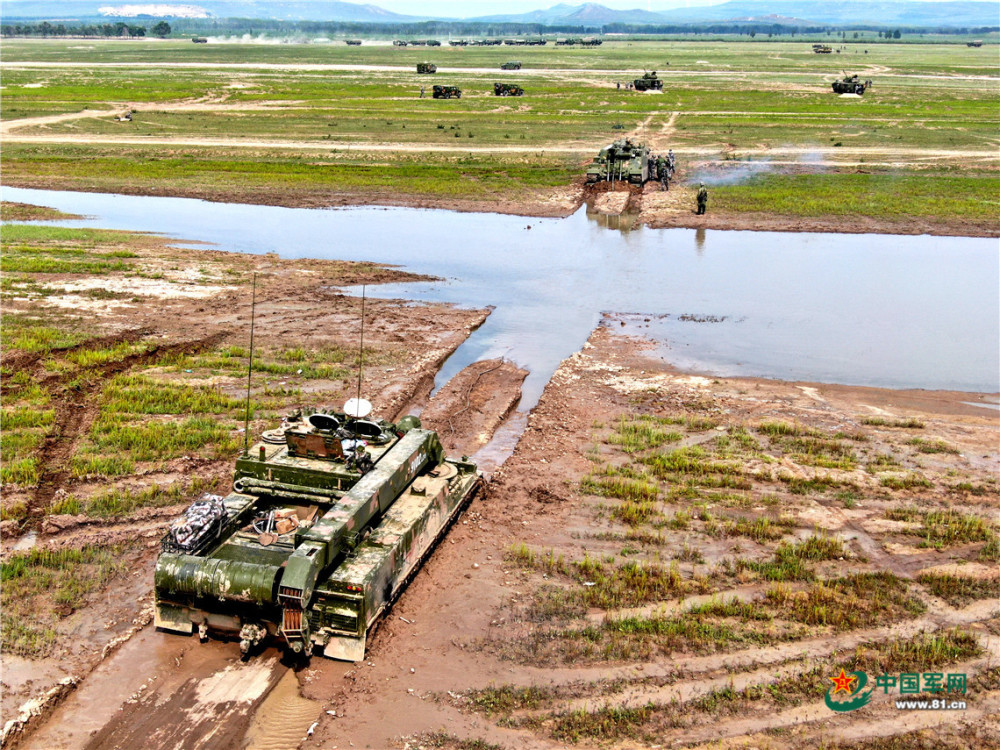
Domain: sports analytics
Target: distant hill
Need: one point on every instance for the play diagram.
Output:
(321, 10)
(907, 13)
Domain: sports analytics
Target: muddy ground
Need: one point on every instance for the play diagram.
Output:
(473, 626)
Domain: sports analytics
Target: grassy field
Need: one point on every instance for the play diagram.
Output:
(229, 125)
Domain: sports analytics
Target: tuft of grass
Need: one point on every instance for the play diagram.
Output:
(943, 527)
(41, 585)
(640, 433)
(907, 482)
(910, 423)
(960, 590)
(932, 446)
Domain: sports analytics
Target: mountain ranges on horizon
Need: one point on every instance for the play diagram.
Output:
(908, 13)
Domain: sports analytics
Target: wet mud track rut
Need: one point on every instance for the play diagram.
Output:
(75, 410)
(167, 691)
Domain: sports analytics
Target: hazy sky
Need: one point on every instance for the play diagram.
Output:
(470, 8)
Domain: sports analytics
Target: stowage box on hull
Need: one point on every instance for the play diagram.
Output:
(321, 535)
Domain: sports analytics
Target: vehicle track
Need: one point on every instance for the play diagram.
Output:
(75, 412)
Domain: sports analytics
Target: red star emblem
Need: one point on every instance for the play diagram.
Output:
(843, 682)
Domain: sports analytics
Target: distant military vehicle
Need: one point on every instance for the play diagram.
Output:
(851, 85)
(426, 67)
(648, 82)
(512, 65)
(822, 49)
(977, 43)
(399, 43)
(507, 89)
(458, 43)
(623, 161)
(353, 42)
(199, 40)
(328, 519)
(446, 92)
(432, 43)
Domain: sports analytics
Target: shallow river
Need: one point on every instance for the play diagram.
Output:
(880, 310)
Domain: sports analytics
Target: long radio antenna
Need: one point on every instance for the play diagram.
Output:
(361, 349)
(246, 421)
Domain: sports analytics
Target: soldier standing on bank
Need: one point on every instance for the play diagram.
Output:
(670, 161)
(661, 171)
(702, 198)
(421, 92)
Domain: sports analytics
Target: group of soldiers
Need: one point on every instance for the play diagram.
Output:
(662, 168)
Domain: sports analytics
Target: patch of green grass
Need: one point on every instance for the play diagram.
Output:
(508, 698)
(910, 423)
(11, 211)
(22, 417)
(906, 482)
(960, 590)
(140, 394)
(640, 433)
(990, 552)
(13, 511)
(943, 527)
(38, 584)
(854, 601)
(115, 353)
(932, 446)
(22, 471)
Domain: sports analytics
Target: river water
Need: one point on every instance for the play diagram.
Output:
(879, 310)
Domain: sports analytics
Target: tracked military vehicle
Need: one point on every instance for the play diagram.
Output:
(622, 161)
(426, 67)
(328, 518)
(507, 89)
(648, 82)
(446, 92)
(511, 65)
(851, 85)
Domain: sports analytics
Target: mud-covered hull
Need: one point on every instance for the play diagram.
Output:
(310, 548)
(383, 564)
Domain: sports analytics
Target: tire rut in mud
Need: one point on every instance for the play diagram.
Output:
(75, 411)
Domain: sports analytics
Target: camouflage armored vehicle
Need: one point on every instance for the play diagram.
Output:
(328, 518)
(399, 43)
(447, 92)
(507, 89)
(851, 85)
(822, 49)
(622, 161)
(426, 67)
(432, 43)
(199, 40)
(353, 42)
(648, 82)
(977, 43)
(512, 65)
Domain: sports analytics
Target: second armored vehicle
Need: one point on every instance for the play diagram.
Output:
(512, 65)
(851, 85)
(507, 89)
(446, 92)
(622, 161)
(426, 67)
(328, 518)
(648, 82)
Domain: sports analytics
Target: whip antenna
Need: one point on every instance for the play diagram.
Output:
(246, 421)
(361, 349)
